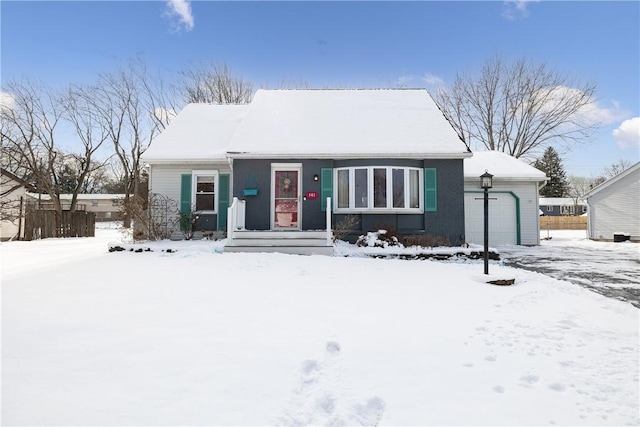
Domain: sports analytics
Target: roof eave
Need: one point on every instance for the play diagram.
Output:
(418, 156)
(174, 161)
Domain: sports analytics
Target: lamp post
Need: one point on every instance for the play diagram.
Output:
(486, 182)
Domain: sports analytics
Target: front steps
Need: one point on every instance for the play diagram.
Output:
(288, 242)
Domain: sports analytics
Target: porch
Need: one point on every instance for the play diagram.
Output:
(239, 239)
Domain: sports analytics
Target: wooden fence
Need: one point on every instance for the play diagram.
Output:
(563, 223)
(40, 224)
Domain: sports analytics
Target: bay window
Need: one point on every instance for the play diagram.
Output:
(378, 188)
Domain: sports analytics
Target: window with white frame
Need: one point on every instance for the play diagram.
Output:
(204, 190)
(376, 188)
(567, 210)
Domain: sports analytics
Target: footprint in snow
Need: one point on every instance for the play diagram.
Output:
(322, 398)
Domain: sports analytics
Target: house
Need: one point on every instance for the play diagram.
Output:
(12, 201)
(513, 200)
(614, 207)
(385, 158)
(562, 206)
(106, 207)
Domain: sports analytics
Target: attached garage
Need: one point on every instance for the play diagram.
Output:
(503, 218)
(513, 200)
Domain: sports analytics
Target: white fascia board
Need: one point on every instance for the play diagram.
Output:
(506, 178)
(152, 162)
(343, 156)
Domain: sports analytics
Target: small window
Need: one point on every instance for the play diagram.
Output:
(549, 208)
(94, 202)
(343, 189)
(115, 203)
(204, 191)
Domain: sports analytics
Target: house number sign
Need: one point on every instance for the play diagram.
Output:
(311, 195)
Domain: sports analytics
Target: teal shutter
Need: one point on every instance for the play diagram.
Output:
(326, 186)
(185, 193)
(223, 200)
(430, 190)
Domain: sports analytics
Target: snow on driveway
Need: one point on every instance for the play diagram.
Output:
(611, 269)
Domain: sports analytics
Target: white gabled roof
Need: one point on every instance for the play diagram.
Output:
(199, 132)
(345, 123)
(502, 166)
(613, 180)
(400, 123)
(83, 196)
(559, 201)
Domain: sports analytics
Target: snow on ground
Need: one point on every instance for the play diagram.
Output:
(199, 337)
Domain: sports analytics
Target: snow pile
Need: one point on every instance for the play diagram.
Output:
(378, 239)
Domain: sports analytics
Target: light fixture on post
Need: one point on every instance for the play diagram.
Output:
(486, 182)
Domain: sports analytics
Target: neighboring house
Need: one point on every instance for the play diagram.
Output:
(614, 207)
(389, 158)
(513, 199)
(562, 206)
(12, 201)
(106, 207)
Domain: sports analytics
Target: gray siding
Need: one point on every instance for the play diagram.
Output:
(616, 209)
(253, 173)
(446, 222)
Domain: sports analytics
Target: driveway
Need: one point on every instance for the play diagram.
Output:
(610, 269)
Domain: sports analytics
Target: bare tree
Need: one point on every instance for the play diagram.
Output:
(616, 168)
(518, 108)
(129, 106)
(30, 135)
(92, 135)
(214, 84)
(578, 188)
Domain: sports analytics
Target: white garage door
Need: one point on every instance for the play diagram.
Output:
(502, 219)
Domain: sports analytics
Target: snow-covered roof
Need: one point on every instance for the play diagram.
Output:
(346, 123)
(613, 180)
(560, 201)
(502, 166)
(80, 196)
(199, 132)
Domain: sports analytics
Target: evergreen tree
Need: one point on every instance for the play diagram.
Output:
(551, 164)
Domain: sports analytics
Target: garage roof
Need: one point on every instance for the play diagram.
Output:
(502, 166)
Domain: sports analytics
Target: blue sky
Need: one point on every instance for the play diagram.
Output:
(343, 44)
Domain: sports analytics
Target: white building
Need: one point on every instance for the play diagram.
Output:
(513, 200)
(614, 207)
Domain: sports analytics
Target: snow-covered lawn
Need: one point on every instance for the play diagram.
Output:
(199, 337)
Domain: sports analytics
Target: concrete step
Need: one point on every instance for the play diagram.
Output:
(279, 234)
(277, 242)
(293, 250)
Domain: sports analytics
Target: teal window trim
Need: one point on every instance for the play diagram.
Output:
(430, 190)
(326, 187)
(185, 193)
(517, 200)
(224, 199)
